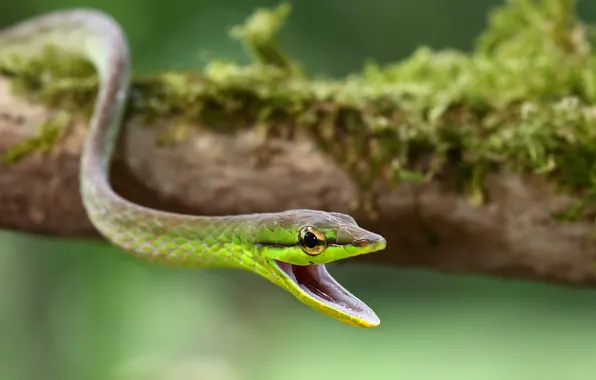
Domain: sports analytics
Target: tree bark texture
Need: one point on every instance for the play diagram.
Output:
(427, 225)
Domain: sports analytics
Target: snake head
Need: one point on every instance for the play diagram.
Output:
(295, 248)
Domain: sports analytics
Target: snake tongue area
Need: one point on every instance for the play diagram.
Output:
(316, 282)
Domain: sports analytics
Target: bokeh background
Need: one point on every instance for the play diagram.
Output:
(83, 310)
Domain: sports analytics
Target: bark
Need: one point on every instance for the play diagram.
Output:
(512, 234)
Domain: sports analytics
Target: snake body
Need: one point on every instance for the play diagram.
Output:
(288, 248)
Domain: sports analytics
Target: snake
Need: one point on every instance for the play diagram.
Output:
(288, 248)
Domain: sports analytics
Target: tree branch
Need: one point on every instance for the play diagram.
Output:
(458, 175)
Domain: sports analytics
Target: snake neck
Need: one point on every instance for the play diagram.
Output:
(174, 239)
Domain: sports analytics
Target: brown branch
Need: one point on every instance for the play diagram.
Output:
(512, 234)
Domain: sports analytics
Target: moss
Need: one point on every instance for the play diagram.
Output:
(258, 36)
(48, 134)
(522, 102)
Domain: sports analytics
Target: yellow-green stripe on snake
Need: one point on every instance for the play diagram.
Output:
(288, 248)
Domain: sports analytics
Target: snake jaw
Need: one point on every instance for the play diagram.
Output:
(314, 286)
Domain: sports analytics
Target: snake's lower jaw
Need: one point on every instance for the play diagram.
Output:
(314, 286)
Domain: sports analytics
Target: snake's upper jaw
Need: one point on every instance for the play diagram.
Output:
(314, 286)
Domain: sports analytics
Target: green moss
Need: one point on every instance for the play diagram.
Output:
(47, 135)
(258, 36)
(521, 102)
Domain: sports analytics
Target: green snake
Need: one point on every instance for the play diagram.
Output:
(289, 248)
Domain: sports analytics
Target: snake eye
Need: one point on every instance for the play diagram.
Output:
(312, 241)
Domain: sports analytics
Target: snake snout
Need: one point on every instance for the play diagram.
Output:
(361, 242)
(373, 241)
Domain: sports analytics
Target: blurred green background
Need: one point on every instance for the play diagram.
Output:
(83, 310)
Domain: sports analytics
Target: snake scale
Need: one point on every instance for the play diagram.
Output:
(289, 248)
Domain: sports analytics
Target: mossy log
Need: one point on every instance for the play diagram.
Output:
(480, 162)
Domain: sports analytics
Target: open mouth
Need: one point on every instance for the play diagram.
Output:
(315, 281)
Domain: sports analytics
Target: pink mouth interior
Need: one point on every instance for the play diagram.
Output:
(318, 283)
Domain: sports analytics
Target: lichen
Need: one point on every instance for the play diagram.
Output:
(522, 101)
